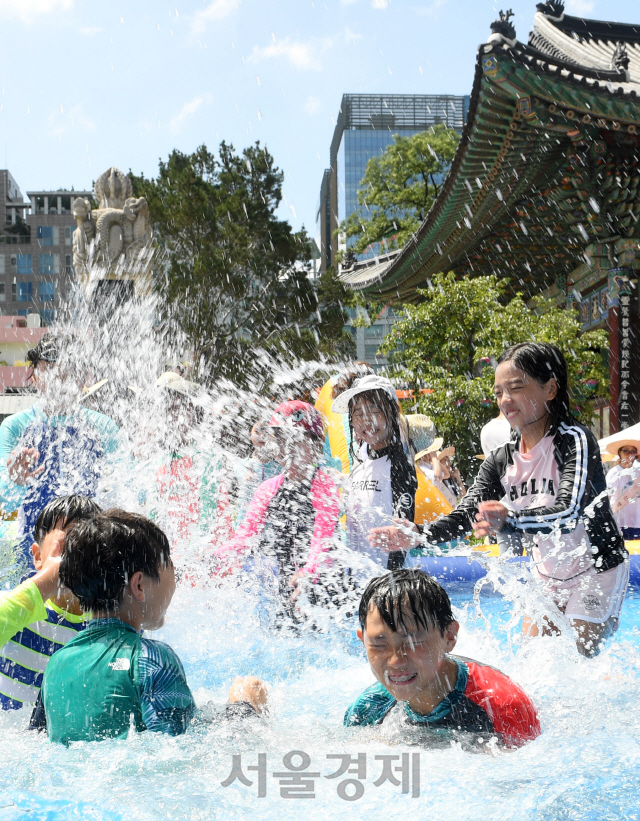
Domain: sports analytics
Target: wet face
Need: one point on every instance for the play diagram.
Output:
(258, 436)
(157, 596)
(522, 399)
(370, 424)
(283, 445)
(407, 663)
(628, 454)
(182, 417)
(265, 448)
(58, 381)
(42, 551)
(295, 447)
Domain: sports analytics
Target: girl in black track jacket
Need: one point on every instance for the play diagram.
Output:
(548, 486)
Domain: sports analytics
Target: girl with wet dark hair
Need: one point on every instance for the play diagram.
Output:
(542, 362)
(548, 486)
(345, 382)
(383, 480)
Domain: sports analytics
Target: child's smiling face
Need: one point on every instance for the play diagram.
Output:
(409, 662)
(522, 400)
(370, 423)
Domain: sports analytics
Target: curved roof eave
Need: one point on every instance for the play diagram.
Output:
(358, 279)
(401, 274)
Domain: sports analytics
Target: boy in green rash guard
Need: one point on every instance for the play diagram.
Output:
(38, 617)
(119, 566)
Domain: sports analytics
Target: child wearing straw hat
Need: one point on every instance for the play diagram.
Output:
(435, 463)
(623, 484)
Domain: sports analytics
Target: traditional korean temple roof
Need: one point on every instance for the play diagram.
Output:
(547, 166)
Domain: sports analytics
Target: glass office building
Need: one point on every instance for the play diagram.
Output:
(357, 148)
(36, 249)
(366, 125)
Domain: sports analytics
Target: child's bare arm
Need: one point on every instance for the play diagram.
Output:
(24, 605)
(19, 608)
(47, 579)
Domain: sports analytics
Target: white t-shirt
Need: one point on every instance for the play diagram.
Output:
(532, 481)
(619, 480)
(369, 503)
(495, 433)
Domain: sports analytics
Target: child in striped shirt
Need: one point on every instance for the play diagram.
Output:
(39, 617)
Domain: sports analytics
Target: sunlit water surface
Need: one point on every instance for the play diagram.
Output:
(586, 764)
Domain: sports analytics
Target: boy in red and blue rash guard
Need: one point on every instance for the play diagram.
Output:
(408, 631)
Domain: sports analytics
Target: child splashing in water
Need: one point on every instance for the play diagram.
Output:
(292, 517)
(383, 480)
(409, 632)
(549, 486)
(57, 447)
(119, 566)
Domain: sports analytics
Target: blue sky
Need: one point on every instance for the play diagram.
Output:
(85, 84)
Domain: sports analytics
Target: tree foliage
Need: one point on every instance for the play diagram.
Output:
(448, 342)
(399, 187)
(236, 278)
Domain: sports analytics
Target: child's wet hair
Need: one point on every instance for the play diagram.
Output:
(59, 347)
(51, 347)
(63, 511)
(102, 553)
(407, 596)
(542, 361)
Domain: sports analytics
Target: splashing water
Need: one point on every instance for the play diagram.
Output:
(584, 766)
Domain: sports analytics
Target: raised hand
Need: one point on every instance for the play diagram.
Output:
(491, 517)
(390, 538)
(21, 465)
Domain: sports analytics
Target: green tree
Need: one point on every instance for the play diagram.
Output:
(235, 278)
(399, 187)
(448, 342)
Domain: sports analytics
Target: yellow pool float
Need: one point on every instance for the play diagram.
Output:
(493, 550)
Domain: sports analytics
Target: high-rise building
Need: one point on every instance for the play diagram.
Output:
(36, 249)
(365, 127)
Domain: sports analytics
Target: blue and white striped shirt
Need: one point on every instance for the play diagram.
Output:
(24, 657)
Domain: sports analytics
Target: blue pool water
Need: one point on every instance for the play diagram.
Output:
(586, 764)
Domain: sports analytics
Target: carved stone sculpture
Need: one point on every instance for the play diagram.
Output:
(113, 241)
